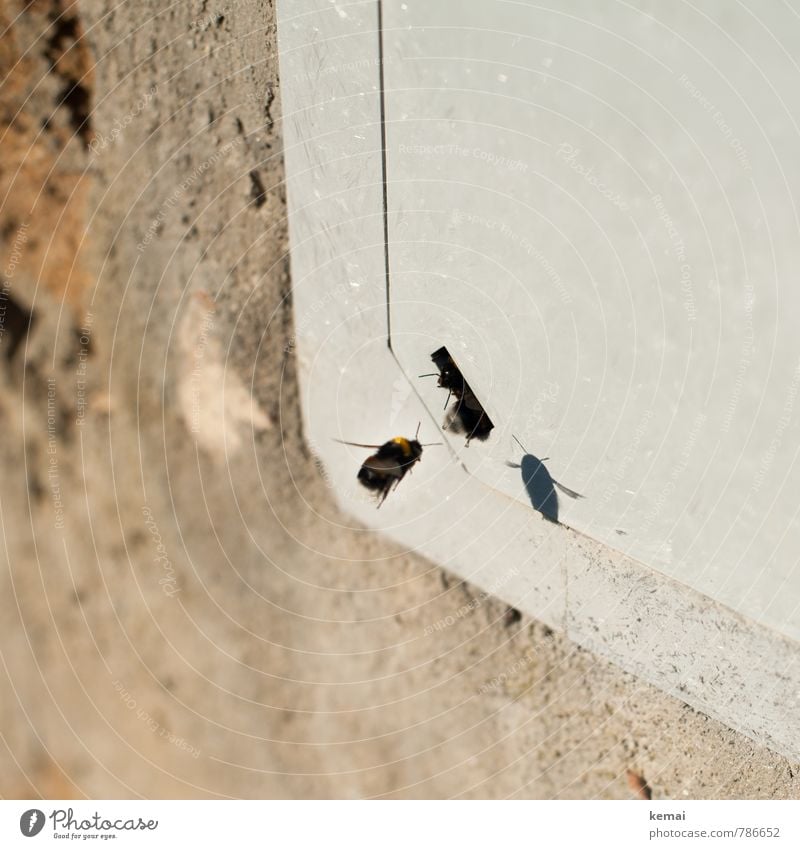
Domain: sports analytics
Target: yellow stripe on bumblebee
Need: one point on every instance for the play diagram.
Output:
(404, 444)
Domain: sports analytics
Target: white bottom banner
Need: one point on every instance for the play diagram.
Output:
(403, 824)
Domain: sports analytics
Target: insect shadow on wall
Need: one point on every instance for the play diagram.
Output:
(382, 471)
(540, 485)
(467, 415)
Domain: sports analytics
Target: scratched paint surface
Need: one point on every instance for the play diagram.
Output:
(595, 209)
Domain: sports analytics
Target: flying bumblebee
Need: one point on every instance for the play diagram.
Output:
(382, 471)
(467, 415)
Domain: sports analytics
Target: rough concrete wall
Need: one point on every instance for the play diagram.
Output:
(183, 611)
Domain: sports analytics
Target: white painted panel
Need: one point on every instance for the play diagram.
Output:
(596, 212)
(567, 312)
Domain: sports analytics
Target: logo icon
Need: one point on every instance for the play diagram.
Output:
(31, 822)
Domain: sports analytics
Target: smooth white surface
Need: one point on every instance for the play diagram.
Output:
(613, 269)
(574, 330)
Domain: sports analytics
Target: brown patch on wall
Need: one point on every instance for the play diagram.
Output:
(47, 781)
(639, 786)
(46, 84)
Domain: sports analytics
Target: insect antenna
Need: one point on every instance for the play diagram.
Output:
(519, 443)
(516, 465)
(424, 444)
(355, 444)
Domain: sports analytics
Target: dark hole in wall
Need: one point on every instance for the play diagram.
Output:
(9, 228)
(81, 348)
(76, 100)
(15, 324)
(268, 101)
(36, 491)
(62, 35)
(65, 35)
(257, 190)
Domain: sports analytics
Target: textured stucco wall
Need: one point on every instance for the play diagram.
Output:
(182, 612)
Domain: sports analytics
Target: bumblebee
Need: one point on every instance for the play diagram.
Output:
(382, 471)
(467, 415)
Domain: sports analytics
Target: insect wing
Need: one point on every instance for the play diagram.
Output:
(567, 491)
(379, 472)
(356, 444)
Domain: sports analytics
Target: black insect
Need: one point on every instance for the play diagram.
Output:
(467, 415)
(382, 471)
(540, 486)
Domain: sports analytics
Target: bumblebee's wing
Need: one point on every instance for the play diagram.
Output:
(388, 489)
(383, 465)
(392, 487)
(381, 474)
(567, 491)
(356, 444)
